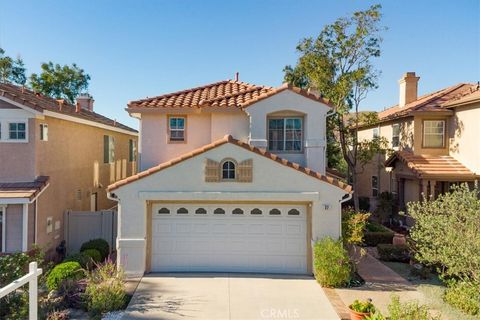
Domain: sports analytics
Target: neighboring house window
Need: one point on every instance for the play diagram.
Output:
(285, 134)
(44, 132)
(132, 150)
(374, 186)
(395, 135)
(17, 130)
(433, 133)
(176, 129)
(228, 170)
(376, 134)
(108, 149)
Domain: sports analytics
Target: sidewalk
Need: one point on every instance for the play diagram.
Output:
(380, 283)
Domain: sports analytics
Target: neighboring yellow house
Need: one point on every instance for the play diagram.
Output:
(435, 142)
(55, 157)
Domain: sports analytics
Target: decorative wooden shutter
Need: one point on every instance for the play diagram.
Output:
(245, 171)
(212, 171)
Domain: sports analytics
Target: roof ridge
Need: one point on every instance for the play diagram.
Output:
(170, 94)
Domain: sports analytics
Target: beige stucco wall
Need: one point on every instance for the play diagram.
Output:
(73, 159)
(272, 182)
(465, 136)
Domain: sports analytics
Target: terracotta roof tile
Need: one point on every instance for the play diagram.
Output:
(428, 166)
(230, 139)
(228, 94)
(430, 102)
(28, 189)
(40, 103)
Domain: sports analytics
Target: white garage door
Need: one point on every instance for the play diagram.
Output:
(229, 238)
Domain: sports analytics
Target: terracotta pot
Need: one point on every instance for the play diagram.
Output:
(399, 239)
(354, 315)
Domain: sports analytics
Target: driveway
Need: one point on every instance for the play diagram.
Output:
(228, 296)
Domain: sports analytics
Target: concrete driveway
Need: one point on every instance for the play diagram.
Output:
(228, 296)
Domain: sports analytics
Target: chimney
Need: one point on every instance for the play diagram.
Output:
(236, 76)
(408, 88)
(85, 101)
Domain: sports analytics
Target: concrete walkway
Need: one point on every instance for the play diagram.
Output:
(229, 296)
(380, 283)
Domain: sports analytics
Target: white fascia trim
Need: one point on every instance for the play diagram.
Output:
(21, 106)
(52, 114)
(5, 201)
(229, 196)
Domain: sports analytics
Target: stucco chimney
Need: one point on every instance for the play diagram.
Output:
(408, 88)
(85, 101)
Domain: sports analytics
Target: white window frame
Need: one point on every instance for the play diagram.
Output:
(285, 134)
(395, 136)
(234, 170)
(43, 132)
(5, 130)
(375, 133)
(374, 187)
(111, 149)
(433, 134)
(132, 150)
(3, 210)
(177, 129)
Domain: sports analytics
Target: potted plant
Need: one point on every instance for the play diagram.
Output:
(361, 309)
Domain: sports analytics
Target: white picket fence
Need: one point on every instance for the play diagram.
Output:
(32, 278)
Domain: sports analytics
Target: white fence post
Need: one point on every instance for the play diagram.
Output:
(31, 278)
(33, 292)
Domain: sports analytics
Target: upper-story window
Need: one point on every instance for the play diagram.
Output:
(285, 134)
(375, 133)
(132, 150)
(17, 131)
(44, 132)
(395, 135)
(176, 128)
(108, 149)
(433, 133)
(228, 170)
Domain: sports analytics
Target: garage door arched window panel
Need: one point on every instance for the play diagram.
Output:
(237, 211)
(200, 211)
(163, 211)
(293, 212)
(275, 212)
(229, 170)
(219, 211)
(182, 211)
(256, 211)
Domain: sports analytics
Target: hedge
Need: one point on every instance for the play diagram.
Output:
(390, 252)
(62, 272)
(376, 233)
(98, 244)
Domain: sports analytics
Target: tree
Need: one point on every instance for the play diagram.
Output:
(12, 71)
(60, 82)
(338, 63)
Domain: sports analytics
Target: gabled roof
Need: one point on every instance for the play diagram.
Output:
(230, 139)
(430, 102)
(435, 167)
(472, 96)
(40, 103)
(227, 94)
(27, 190)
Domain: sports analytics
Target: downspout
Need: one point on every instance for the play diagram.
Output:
(344, 199)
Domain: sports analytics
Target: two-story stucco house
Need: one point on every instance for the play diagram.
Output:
(435, 142)
(233, 180)
(55, 157)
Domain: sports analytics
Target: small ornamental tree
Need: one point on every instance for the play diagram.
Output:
(447, 232)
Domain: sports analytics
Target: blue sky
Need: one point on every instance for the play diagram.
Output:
(133, 49)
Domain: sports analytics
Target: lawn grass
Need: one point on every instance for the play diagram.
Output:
(433, 289)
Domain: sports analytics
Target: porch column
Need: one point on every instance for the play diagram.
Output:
(25, 227)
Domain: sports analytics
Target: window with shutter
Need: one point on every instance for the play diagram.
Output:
(245, 171)
(212, 171)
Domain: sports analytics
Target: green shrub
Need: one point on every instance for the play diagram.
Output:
(363, 306)
(353, 226)
(464, 296)
(410, 310)
(62, 272)
(390, 252)
(376, 227)
(99, 244)
(105, 290)
(372, 239)
(93, 254)
(331, 263)
(79, 257)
